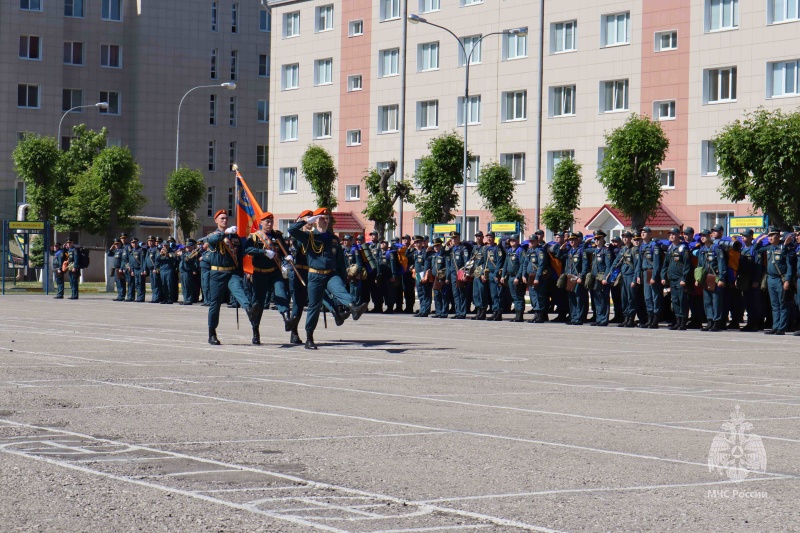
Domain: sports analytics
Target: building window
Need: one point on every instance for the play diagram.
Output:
(323, 71)
(232, 113)
(720, 85)
(667, 179)
(354, 83)
(71, 98)
(382, 166)
(783, 10)
(426, 6)
(112, 10)
(613, 96)
(322, 125)
(263, 65)
(262, 155)
(515, 106)
(471, 2)
(472, 49)
(428, 114)
(113, 143)
(114, 101)
(564, 36)
(73, 8)
(722, 15)
(110, 56)
(30, 47)
(554, 158)
(601, 158)
(388, 62)
(291, 24)
(234, 64)
(214, 16)
(212, 109)
(428, 57)
(234, 17)
(562, 101)
(261, 199)
(210, 202)
(352, 193)
(355, 28)
(212, 156)
(616, 29)
(73, 53)
(324, 18)
(288, 180)
(30, 5)
(473, 110)
(387, 118)
(473, 225)
(353, 137)
(474, 170)
(666, 40)
(264, 20)
(263, 111)
(232, 153)
(516, 164)
(231, 198)
(289, 128)
(783, 79)
(708, 159)
(290, 77)
(390, 9)
(515, 46)
(664, 110)
(28, 96)
(709, 220)
(214, 73)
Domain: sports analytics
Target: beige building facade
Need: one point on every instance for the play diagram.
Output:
(142, 56)
(695, 65)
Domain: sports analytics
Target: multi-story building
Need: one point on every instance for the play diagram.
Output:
(695, 65)
(141, 57)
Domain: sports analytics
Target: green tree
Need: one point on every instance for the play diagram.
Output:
(184, 193)
(107, 195)
(565, 196)
(630, 171)
(84, 146)
(36, 160)
(496, 186)
(383, 197)
(759, 161)
(320, 172)
(437, 177)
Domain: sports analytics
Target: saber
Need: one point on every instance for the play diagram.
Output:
(291, 263)
(237, 317)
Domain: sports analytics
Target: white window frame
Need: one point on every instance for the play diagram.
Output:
(429, 6)
(212, 156)
(323, 18)
(389, 10)
(467, 3)
(667, 175)
(288, 180)
(106, 96)
(672, 36)
(512, 44)
(715, 78)
(790, 12)
(323, 71)
(262, 111)
(106, 56)
(393, 63)
(473, 110)
(554, 157)
(107, 13)
(352, 193)
(467, 44)
(428, 56)
(785, 75)
(474, 171)
(27, 40)
(614, 86)
(294, 70)
(291, 24)
(32, 5)
(355, 28)
(669, 105)
(610, 39)
(516, 164)
(725, 21)
(510, 102)
(265, 64)
(559, 32)
(353, 138)
(563, 99)
(262, 156)
(388, 119)
(323, 125)
(71, 52)
(723, 220)
(707, 155)
(428, 115)
(292, 134)
(355, 82)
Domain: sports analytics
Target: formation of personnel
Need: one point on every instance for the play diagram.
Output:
(701, 281)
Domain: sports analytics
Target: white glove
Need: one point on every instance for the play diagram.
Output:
(289, 258)
(312, 220)
(230, 230)
(269, 253)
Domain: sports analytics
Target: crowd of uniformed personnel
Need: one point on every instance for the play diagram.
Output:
(706, 281)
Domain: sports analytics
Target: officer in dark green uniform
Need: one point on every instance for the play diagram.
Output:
(136, 267)
(227, 275)
(189, 271)
(325, 270)
(676, 271)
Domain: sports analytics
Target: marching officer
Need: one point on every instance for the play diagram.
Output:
(712, 259)
(535, 274)
(676, 272)
(648, 274)
(421, 258)
(601, 268)
(626, 262)
(480, 289)
(495, 259)
(56, 264)
(118, 269)
(457, 257)
(512, 273)
(779, 269)
(189, 271)
(136, 267)
(151, 265)
(749, 275)
(298, 280)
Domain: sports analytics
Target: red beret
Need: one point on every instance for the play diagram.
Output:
(266, 215)
(321, 211)
(306, 213)
(220, 212)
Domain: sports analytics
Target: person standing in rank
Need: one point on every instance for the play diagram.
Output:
(409, 283)
(601, 268)
(575, 265)
(492, 272)
(387, 266)
(326, 270)
(457, 256)
(374, 278)
(56, 265)
(676, 272)
(151, 267)
(420, 258)
(355, 267)
(648, 274)
(535, 275)
(780, 272)
(118, 269)
(439, 271)
(626, 263)
(480, 290)
(511, 278)
(189, 271)
(712, 259)
(166, 264)
(205, 271)
(73, 267)
(749, 278)
(136, 267)
(227, 276)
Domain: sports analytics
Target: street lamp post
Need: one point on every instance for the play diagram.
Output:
(99, 105)
(416, 19)
(227, 85)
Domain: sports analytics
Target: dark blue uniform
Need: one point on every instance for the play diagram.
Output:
(649, 265)
(56, 263)
(576, 265)
(626, 263)
(677, 269)
(536, 267)
(512, 270)
(457, 257)
(778, 263)
(712, 259)
(136, 266)
(205, 274)
(166, 263)
(74, 272)
(355, 271)
(438, 262)
(151, 264)
(118, 271)
(421, 261)
(480, 289)
(190, 270)
(601, 268)
(495, 260)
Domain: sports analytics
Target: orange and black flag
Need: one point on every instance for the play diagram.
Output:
(248, 215)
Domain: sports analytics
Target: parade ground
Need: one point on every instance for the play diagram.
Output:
(121, 417)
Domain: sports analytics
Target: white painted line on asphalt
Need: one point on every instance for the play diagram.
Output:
(195, 473)
(440, 528)
(297, 439)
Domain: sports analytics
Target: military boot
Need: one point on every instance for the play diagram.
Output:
(645, 323)
(498, 316)
(534, 319)
(212, 337)
(310, 341)
(682, 324)
(256, 336)
(518, 317)
(295, 338)
(477, 314)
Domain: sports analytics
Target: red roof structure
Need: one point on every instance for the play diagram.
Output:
(663, 219)
(346, 222)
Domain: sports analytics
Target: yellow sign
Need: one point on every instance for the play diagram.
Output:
(26, 225)
(444, 228)
(504, 227)
(747, 222)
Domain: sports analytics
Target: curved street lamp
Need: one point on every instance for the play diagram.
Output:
(99, 105)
